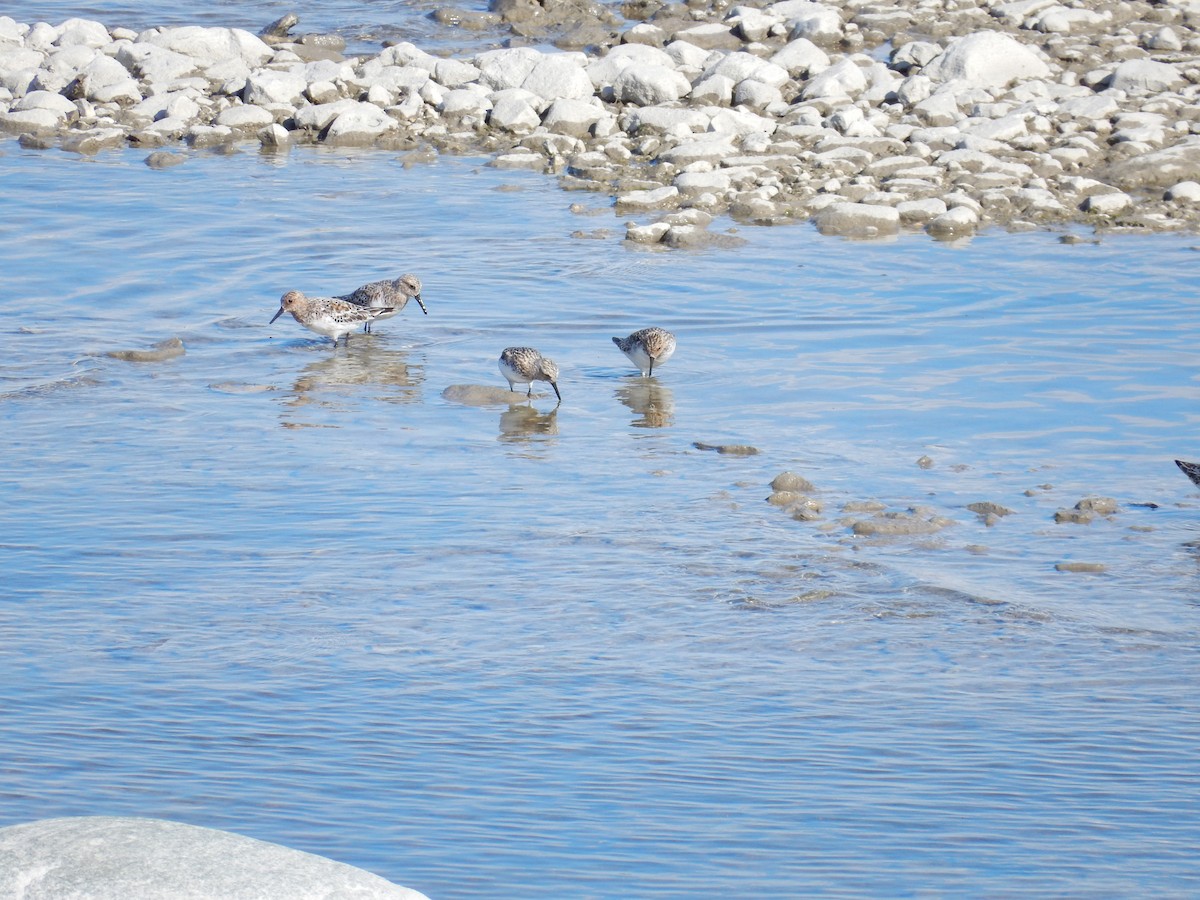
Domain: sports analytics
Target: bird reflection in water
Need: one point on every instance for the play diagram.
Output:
(399, 379)
(523, 423)
(653, 402)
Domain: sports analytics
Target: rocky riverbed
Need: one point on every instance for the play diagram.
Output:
(868, 118)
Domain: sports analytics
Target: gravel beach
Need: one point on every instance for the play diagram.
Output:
(866, 118)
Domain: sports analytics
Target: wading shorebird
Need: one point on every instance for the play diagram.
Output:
(647, 348)
(524, 365)
(326, 315)
(391, 295)
(1191, 470)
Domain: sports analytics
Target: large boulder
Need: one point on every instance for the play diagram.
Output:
(117, 858)
(987, 59)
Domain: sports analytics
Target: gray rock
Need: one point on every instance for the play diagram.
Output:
(1108, 204)
(843, 79)
(573, 117)
(640, 201)
(454, 73)
(360, 123)
(512, 110)
(117, 858)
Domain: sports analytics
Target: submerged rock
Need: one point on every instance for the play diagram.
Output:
(163, 350)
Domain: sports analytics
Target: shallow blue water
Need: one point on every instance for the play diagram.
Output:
(295, 593)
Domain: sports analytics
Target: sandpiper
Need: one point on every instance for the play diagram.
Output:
(1191, 470)
(524, 365)
(647, 347)
(326, 315)
(391, 294)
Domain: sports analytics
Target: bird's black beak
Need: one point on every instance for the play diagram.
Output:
(277, 315)
(420, 304)
(556, 393)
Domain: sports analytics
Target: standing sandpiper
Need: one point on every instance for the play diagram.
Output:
(524, 365)
(327, 316)
(393, 295)
(647, 348)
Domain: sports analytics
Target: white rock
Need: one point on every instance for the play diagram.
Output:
(37, 120)
(715, 90)
(1144, 76)
(708, 34)
(210, 44)
(453, 73)
(155, 64)
(104, 80)
(801, 57)
(1107, 204)
(559, 76)
(1164, 38)
(815, 21)
(691, 184)
(858, 220)
(1093, 107)
(506, 68)
(657, 198)
(649, 85)
(318, 116)
(843, 79)
(1183, 192)
(520, 158)
(245, 117)
(645, 33)
(11, 30)
(62, 66)
(741, 122)
(604, 71)
(665, 119)
(361, 122)
(914, 211)
(1014, 14)
(756, 95)
(513, 111)
(462, 102)
(49, 100)
(939, 110)
(915, 88)
(41, 36)
(274, 135)
(82, 32)
(740, 66)
(956, 221)
(408, 54)
(573, 117)
(687, 54)
(915, 54)
(1063, 20)
(751, 24)
(646, 234)
(711, 149)
(987, 59)
(112, 857)
(267, 86)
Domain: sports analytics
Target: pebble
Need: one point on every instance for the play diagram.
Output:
(866, 119)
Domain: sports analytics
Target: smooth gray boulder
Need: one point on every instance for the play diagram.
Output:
(119, 858)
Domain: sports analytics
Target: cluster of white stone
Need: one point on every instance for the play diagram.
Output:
(1017, 112)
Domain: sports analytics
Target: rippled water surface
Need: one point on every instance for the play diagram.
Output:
(521, 650)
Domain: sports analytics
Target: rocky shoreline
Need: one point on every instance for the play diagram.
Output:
(868, 119)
